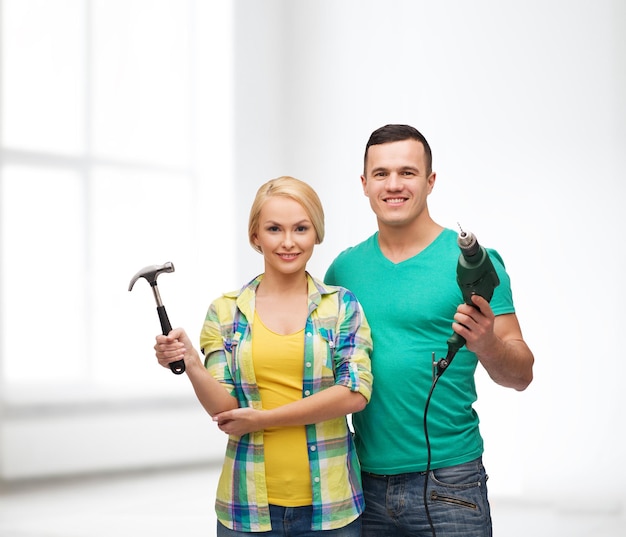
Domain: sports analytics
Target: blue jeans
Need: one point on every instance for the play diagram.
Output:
(457, 501)
(293, 522)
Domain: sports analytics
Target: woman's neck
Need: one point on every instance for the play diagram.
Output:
(282, 302)
(281, 285)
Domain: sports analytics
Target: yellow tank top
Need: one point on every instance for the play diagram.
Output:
(278, 366)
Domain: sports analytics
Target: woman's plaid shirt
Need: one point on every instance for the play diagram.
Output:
(337, 351)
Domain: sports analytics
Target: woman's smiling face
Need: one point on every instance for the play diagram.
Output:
(285, 235)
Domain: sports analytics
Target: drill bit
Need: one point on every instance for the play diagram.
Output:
(467, 243)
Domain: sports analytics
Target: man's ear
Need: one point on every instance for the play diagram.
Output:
(364, 184)
(431, 181)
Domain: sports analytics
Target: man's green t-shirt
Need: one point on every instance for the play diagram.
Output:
(410, 308)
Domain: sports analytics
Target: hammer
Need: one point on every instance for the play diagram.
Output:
(151, 273)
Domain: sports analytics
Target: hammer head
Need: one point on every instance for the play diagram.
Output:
(150, 273)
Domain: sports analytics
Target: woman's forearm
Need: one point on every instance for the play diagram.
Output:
(330, 403)
(211, 394)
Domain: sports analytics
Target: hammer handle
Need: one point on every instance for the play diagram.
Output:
(179, 366)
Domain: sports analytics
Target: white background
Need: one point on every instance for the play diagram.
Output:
(523, 105)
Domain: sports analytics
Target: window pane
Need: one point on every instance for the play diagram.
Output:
(43, 71)
(89, 220)
(142, 80)
(43, 276)
(138, 219)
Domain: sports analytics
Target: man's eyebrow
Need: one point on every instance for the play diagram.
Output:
(402, 168)
(378, 169)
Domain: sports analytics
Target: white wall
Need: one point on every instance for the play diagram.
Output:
(523, 104)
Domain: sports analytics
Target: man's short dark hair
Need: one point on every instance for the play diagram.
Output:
(398, 133)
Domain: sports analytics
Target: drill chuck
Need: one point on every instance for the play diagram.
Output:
(468, 244)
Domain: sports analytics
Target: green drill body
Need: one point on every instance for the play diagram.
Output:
(475, 275)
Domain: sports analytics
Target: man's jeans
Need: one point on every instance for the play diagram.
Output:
(457, 501)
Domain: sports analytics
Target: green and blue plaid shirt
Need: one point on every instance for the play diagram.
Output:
(337, 351)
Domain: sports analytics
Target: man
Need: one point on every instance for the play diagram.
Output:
(405, 278)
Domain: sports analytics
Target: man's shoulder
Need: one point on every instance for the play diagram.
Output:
(349, 262)
(362, 248)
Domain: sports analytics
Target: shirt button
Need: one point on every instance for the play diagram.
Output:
(307, 392)
(308, 334)
(308, 364)
(313, 448)
(317, 480)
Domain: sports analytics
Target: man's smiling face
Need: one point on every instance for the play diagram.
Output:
(397, 182)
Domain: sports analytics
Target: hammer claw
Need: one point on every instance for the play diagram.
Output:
(150, 273)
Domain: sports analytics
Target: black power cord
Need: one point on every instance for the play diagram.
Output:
(438, 370)
(436, 377)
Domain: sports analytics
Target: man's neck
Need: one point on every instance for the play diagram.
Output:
(401, 243)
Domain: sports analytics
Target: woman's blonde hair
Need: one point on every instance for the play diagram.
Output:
(287, 187)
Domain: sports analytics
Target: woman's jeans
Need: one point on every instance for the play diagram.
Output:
(457, 501)
(293, 522)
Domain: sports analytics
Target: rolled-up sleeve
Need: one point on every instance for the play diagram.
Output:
(213, 345)
(353, 347)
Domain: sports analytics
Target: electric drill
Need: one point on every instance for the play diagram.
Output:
(475, 275)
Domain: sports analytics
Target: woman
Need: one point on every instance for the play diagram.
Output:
(287, 358)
